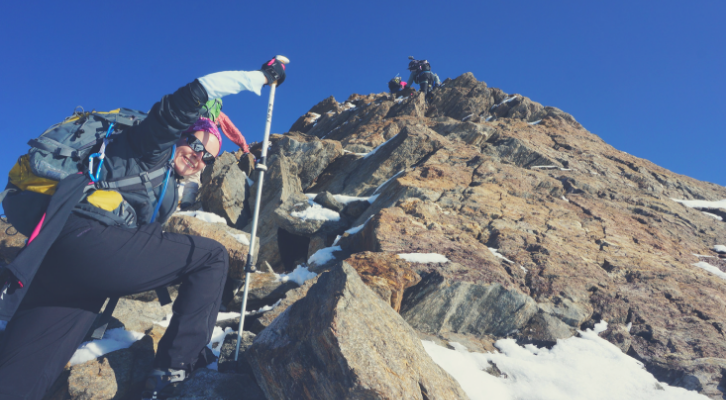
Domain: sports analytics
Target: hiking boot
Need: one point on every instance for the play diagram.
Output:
(161, 383)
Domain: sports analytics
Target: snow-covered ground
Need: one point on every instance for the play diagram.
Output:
(204, 216)
(579, 368)
(702, 203)
(710, 268)
(425, 258)
(316, 212)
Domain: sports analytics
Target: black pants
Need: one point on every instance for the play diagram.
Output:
(90, 262)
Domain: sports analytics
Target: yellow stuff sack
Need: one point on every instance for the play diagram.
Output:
(107, 200)
(21, 176)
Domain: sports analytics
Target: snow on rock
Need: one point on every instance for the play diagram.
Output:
(378, 147)
(425, 258)
(240, 238)
(585, 367)
(322, 256)
(299, 275)
(535, 122)
(714, 216)
(499, 255)
(114, 339)
(385, 183)
(204, 216)
(316, 212)
(702, 203)
(710, 268)
(340, 198)
(719, 248)
(354, 230)
(223, 316)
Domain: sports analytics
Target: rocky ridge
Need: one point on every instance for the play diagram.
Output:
(546, 229)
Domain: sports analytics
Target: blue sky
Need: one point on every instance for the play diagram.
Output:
(647, 77)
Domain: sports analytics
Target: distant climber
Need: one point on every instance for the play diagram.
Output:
(421, 74)
(396, 85)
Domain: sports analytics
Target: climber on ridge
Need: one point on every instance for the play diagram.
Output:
(396, 85)
(421, 74)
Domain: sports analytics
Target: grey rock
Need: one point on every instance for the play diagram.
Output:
(618, 335)
(439, 303)
(224, 190)
(116, 375)
(206, 384)
(343, 342)
(226, 362)
(327, 200)
(355, 209)
(544, 330)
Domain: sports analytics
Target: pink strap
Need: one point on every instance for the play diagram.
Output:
(36, 231)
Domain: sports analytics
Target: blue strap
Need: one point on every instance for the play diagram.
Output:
(166, 183)
(101, 155)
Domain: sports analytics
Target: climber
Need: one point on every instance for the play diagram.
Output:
(87, 251)
(421, 74)
(396, 86)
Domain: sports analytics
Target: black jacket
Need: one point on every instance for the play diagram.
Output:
(140, 148)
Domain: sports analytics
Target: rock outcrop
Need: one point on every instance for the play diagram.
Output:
(343, 342)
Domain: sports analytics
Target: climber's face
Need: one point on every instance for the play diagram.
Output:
(187, 160)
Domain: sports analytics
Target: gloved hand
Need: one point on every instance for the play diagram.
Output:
(9, 281)
(274, 70)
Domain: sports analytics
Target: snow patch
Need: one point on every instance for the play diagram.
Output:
(314, 116)
(719, 248)
(425, 258)
(354, 230)
(702, 203)
(585, 367)
(204, 216)
(710, 268)
(714, 216)
(322, 256)
(113, 339)
(565, 199)
(535, 122)
(299, 275)
(467, 117)
(316, 212)
(386, 182)
(240, 237)
(379, 146)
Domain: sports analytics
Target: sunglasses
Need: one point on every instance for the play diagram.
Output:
(197, 145)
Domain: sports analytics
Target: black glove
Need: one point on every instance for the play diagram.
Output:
(274, 70)
(9, 281)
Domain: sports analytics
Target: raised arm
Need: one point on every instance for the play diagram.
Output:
(178, 111)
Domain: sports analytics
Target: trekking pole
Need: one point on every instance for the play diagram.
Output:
(261, 167)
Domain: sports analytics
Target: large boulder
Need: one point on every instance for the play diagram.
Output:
(440, 303)
(224, 190)
(343, 342)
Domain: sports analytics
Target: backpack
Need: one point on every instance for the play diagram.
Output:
(419, 65)
(64, 149)
(67, 148)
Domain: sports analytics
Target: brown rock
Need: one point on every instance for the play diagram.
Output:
(11, 242)
(116, 375)
(329, 345)
(386, 274)
(223, 190)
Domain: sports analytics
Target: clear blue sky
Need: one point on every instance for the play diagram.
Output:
(647, 77)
